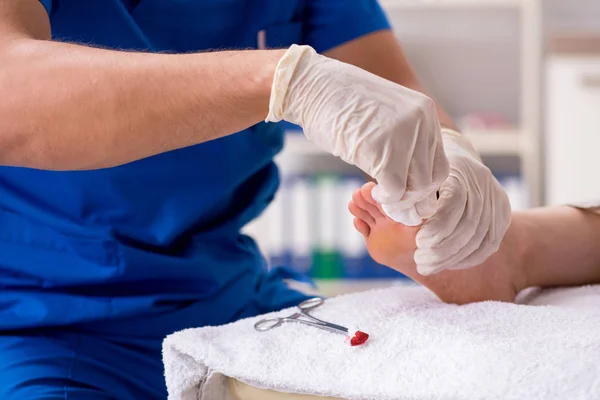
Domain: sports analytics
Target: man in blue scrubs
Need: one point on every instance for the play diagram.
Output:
(131, 157)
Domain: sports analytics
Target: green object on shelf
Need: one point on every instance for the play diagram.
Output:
(327, 262)
(327, 265)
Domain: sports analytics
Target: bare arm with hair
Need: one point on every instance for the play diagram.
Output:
(68, 107)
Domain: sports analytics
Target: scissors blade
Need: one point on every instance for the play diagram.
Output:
(336, 327)
(328, 324)
(325, 326)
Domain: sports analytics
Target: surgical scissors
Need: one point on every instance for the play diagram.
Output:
(305, 307)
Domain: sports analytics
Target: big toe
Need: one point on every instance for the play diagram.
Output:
(374, 207)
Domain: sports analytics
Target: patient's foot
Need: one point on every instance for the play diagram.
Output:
(389, 243)
(393, 244)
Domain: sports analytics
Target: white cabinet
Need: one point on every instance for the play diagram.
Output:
(573, 129)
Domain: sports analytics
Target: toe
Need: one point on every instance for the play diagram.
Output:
(362, 227)
(373, 207)
(360, 213)
(359, 200)
(366, 191)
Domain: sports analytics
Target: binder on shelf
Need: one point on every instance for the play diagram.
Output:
(384, 272)
(301, 218)
(327, 263)
(516, 190)
(312, 231)
(279, 232)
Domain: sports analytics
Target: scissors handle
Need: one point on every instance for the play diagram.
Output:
(268, 323)
(305, 307)
(309, 304)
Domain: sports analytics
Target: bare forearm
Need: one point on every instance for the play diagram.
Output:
(563, 246)
(75, 107)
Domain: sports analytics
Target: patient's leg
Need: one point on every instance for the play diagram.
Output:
(544, 247)
(563, 246)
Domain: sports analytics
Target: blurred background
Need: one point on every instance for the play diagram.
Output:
(520, 77)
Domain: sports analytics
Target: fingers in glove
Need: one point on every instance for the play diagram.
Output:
(466, 239)
(428, 206)
(419, 182)
(502, 213)
(498, 227)
(441, 165)
(453, 226)
(414, 215)
(452, 205)
(485, 250)
(404, 191)
(398, 212)
(418, 198)
(451, 257)
(388, 194)
(413, 208)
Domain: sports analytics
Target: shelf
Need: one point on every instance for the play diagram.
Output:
(506, 142)
(487, 142)
(391, 5)
(344, 286)
(297, 144)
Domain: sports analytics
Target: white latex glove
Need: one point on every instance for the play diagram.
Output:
(473, 215)
(390, 132)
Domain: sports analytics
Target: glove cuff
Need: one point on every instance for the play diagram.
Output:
(281, 81)
(455, 141)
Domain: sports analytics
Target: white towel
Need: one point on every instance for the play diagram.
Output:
(419, 348)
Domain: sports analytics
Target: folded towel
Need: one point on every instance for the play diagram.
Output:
(419, 348)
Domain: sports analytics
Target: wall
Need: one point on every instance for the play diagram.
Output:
(563, 16)
(469, 59)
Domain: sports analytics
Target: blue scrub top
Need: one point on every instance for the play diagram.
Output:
(158, 239)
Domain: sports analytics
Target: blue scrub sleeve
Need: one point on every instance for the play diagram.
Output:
(47, 5)
(330, 23)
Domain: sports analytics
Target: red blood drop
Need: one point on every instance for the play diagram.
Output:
(359, 338)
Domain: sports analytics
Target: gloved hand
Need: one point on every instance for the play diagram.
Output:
(473, 214)
(390, 132)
